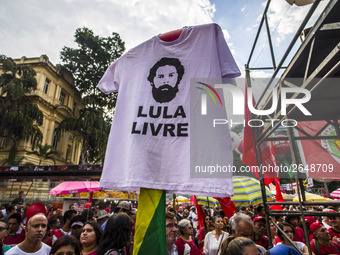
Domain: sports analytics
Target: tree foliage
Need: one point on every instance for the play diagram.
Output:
(92, 128)
(18, 117)
(44, 152)
(88, 64)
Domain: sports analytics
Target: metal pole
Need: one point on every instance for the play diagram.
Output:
(300, 187)
(270, 41)
(258, 32)
(284, 234)
(291, 45)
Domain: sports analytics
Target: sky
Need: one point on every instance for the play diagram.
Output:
(36, 27)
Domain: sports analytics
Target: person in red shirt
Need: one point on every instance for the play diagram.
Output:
(335, 230)
(309, 221)
(299, 234)
(16, 234)
(185, 241)
(322, 243)
(260, 230)
(203, 231)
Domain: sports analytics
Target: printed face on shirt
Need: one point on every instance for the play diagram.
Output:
(164, 78)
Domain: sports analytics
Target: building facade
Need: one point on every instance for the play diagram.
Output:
(58, 98)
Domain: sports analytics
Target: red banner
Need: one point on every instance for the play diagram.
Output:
(322, 157)
(249, 154)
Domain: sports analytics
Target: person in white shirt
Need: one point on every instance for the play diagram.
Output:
(35, 231)
(213, 239)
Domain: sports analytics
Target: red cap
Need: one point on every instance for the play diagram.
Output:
(310, 219)
(332, 211)
(107, 209)
(259, 218)
(276, 207)
(315, 226)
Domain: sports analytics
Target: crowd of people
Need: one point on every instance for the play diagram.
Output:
(246, 232)
(108, 230)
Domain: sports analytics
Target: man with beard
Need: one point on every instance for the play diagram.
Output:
(35, 232)
(164, 78)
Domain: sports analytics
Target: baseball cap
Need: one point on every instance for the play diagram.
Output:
(310, 219)
(77, 223)
(258, 218)
(315, 226)
(102, 214)
(124, 205)
(276, 207)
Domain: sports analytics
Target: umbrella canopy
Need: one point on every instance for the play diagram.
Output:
(75, 187)
(182, 199)
(335, 194)
(311, 197)
(287, 197)
(247, 191)
(204, 201)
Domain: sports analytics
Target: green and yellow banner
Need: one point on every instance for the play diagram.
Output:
(150, 237)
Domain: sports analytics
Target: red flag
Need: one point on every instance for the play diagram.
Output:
(249, 155)
(200, 213)
(227, 205)
(279, 197)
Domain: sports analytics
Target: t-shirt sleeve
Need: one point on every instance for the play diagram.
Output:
(228, 65)
(111, 79)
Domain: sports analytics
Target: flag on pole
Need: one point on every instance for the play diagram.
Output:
(200, 212)
(150, 237)
(249, 147)
(227, 206)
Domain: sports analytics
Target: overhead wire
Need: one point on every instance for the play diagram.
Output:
(272, 34)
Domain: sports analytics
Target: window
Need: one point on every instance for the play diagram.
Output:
(62, 97)
(55, 140)
(68, 153)
(46, 85)
(74, 108)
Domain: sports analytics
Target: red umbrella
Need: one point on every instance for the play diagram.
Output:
(75, 187)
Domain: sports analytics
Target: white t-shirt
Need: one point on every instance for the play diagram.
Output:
(44, 250)
(159, 138)
(211, 244)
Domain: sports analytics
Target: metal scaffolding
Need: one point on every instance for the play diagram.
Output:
(316, 60)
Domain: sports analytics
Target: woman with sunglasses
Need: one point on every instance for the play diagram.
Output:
(185, 243)
(203, 231)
